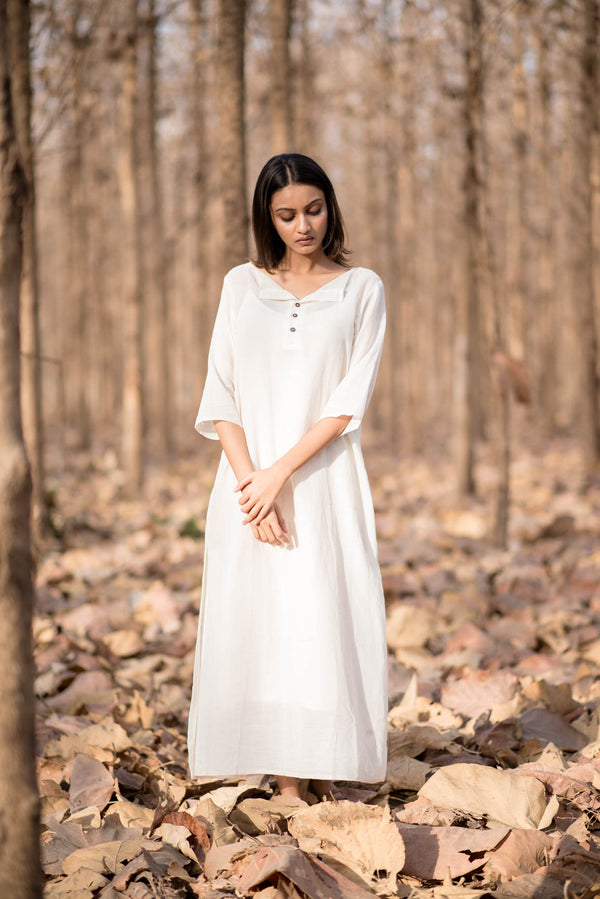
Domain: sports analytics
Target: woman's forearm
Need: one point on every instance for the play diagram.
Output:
(318, 436)
(233, 441)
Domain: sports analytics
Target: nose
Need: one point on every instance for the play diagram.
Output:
(303, 224)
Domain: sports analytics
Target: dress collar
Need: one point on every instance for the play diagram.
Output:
(333, 291)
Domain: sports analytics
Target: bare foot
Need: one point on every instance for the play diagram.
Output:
(326, 790)
(289, 790)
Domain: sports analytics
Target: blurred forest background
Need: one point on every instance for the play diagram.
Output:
(462, 138)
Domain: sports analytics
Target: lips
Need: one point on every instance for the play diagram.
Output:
(305, 240)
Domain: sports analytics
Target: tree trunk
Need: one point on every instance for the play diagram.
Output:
(201, 316)
(133, 372)
(304, 80)
(588, 146)
(547, 374)
(280, 19)
(232, 138)
(20, 873)
(31, 349)
(468, 325)
(78, 361)
(155, 286)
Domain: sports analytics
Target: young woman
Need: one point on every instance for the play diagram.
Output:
(290, 675)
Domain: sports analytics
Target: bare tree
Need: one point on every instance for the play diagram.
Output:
(133, 376)
(469, 327)
(20, 874)
(31, 362)
(280, 18)
(155, 270)
(586, 189)
(232, 142)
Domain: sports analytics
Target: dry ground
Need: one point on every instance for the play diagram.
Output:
(494, 744)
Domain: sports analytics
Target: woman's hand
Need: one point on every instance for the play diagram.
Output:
(272, 529)
(259, 491)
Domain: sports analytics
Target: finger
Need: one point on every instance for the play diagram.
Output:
(252, 516)
(251, 512)
(243, 482)
(280, 519)
(272, 536)
(281, 536)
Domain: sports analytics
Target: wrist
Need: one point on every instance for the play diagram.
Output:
(282, 469)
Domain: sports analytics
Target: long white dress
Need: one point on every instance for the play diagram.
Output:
(290, 674)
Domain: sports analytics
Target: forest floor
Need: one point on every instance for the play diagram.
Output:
(493, 783)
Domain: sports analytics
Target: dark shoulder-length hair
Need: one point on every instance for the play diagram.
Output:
(278, 172)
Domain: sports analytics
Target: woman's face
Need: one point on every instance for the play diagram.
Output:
(299, 214)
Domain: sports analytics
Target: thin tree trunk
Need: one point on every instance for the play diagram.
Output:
(154, 233)
(79, 361)
(468, 326)
(232, 139)
(547, 362)
(516, 236)
(588, 144)
(410, 327)
(31, 349)
(304, 106)
(280, 19)
(201, 316)
(20, 873)
(133, 374)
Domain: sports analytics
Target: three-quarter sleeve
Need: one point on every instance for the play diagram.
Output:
(352, 394)
(218, 397)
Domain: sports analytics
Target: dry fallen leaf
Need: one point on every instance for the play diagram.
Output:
(434, 852)
(501, 797)
(313, 877)
(91, 784)
(363, 837)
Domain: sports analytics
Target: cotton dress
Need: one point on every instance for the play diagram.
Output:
(290, 673)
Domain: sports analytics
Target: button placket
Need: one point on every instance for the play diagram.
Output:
(292, 337)
(295, 314)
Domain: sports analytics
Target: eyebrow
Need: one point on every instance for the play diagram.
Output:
(308, 205)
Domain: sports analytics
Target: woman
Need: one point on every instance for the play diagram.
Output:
(290, 677)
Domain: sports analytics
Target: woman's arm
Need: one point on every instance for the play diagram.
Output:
(259, 489)
(233, 440)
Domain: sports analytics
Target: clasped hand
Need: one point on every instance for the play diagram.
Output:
(259, 490)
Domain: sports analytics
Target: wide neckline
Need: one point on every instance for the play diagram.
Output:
(306, 295)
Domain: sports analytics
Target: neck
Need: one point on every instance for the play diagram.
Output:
(297, 264)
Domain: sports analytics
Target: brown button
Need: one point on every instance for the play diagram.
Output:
(296, 304)
(292, 329)
(294, 315)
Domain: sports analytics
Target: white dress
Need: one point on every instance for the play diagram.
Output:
(290, 674)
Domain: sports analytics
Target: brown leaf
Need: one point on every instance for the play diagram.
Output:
(432, 852)
(124, 643)
(498, 796)
(220, 859)
(363, 837)
(479, 691)
(406, 774)
(523, 852)
(422, 811)
(548, 727)
(196, 827)
(256, 815)
(91, 784)
(315, 879)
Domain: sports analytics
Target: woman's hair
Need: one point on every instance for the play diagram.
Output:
(279, 172)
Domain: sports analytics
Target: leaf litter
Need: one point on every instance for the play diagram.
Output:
(493, 782)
